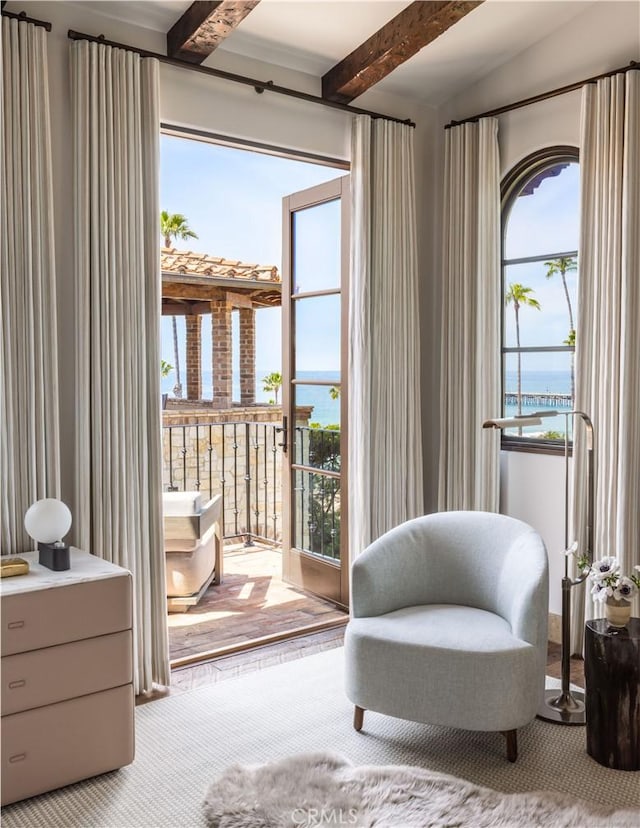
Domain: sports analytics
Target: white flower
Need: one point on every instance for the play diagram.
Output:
(604, 568)
(625, 589)
(601, 592)
(572, 549)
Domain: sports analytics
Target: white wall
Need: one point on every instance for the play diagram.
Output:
(192, 99)
(605, 37)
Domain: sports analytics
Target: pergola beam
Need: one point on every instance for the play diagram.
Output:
(177, 308)
(402, 37)
(204, 26)
(175, 290)
(239, 300)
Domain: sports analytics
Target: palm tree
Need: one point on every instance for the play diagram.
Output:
(272, 382)
(519, 296)
(564, 265)
(175, 226)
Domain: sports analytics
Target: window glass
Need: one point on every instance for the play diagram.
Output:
(316, 248)
(544, 215)
(543, 311)
(539, 283)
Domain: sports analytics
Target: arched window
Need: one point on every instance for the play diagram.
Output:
(540, 224)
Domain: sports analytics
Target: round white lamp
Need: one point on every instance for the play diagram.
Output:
(47, 521)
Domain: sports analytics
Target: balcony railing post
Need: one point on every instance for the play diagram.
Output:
(210, 470)
(172, 487)
(235, 478)
(183, 452)
(247, 485)
(197, 481)
(223, 481)
(274, 452)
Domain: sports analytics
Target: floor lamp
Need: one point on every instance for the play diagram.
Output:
(568, 707)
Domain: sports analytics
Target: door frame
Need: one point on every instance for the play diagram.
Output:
(321, 577)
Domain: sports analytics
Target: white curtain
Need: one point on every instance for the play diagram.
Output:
(608, 341)
(118, 509)
(470, 369)
(29, 438)
(385, 443)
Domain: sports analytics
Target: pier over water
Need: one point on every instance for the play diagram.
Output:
(539, 399)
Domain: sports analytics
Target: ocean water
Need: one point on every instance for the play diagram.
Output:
(552, 382)
(327, 411)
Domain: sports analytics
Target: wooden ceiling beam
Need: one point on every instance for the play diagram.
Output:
(204, 26)
(417, 25)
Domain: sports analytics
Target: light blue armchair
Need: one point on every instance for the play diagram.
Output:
(449, 624)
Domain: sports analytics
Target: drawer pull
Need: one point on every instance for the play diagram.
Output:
(15, 625)
(19, 757)
(13, 685)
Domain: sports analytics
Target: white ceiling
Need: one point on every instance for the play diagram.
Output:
(312, 35)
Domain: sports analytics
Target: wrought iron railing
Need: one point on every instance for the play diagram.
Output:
(241, 461)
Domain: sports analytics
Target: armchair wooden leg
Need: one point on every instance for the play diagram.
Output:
(358, 718)
(512, 744)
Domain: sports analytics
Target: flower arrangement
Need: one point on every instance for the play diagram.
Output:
(608, 582)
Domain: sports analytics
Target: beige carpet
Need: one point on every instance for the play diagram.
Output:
(187, 740)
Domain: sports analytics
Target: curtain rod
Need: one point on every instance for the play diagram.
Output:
(258, 85)
(562, 90)
(22, 16)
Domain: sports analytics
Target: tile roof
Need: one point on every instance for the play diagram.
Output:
(186, 263)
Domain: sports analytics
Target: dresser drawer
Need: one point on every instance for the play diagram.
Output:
(53, 746)
(54, 674)
(46, 617)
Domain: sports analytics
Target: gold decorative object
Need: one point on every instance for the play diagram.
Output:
(13, 566)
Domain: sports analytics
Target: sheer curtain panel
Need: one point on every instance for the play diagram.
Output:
(117, 272)
(470, 368)
(385, 443)
(29, 438)
(608, 341)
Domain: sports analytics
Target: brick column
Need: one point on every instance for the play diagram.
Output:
(221, 358)
(194, 358)
(247, 356)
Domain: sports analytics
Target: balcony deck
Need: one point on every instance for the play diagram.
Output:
(252, 602)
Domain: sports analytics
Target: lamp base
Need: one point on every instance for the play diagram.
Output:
(54, 557)
(563, 709)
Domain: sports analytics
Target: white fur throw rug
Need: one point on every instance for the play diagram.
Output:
(326, 790)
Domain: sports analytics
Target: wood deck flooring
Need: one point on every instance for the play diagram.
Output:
(251, 602)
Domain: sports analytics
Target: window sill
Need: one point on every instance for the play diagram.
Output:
(535, 446)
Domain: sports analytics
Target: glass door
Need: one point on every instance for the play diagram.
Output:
(314, 317)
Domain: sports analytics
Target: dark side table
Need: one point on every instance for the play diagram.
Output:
(612, 698)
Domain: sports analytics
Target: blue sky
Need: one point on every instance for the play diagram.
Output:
(544, 223)
(233, 200)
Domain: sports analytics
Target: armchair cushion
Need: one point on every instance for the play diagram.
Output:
(436, 663)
